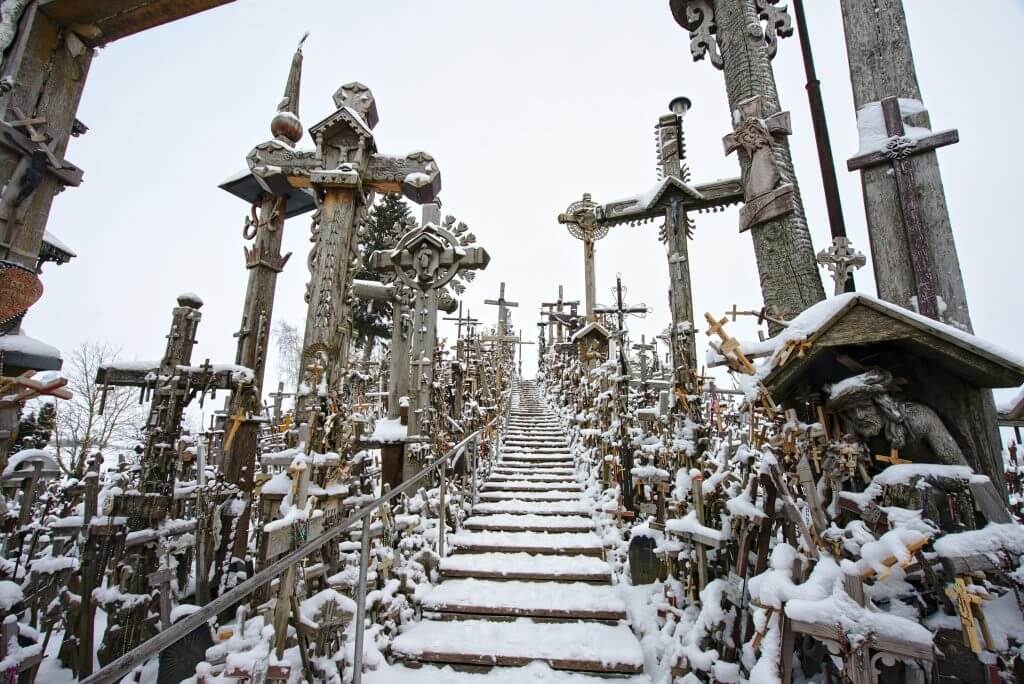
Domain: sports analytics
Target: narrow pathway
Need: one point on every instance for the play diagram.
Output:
(527, 581)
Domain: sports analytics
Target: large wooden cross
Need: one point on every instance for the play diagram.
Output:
(555, 312)
(426, 260)
(897, 152)
(503, 307)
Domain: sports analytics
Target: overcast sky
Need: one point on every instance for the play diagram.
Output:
(525, 105)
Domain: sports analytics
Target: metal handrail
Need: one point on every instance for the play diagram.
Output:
(120, 667)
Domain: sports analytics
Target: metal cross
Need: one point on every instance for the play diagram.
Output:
(841, 259)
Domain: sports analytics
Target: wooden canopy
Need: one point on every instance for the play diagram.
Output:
(99, 22)
(867, 331)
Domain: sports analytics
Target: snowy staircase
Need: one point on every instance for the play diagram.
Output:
(526, 582)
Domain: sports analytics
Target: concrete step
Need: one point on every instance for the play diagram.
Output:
(525, 566)
(546, 543)
(553, 600)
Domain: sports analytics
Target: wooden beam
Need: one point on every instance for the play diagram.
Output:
(99, 22)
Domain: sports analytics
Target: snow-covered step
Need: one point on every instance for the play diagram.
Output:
(532, 486)
(525, 566)
(533, 457)
(516, 473)
(577, 646)
(517, 506)
(548, 543)
(532, 475)
(529, 522)
(530, 496)
(578, 601)
(534, 673)
(537, 453)
(537, 465)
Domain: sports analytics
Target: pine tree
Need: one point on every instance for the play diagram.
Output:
(384, 225)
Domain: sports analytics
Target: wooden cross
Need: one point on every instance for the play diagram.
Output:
(841, 259)
(754, 133)
(161, 581)
(729, 347)
(898, 150)
(968, 609)
(893, 458)
(460, 320)
(503, 306)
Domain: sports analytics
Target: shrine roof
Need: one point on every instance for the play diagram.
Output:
(21, 352)
(52, 242)
(589, 328)
(860, 320)
(342, 115)
(245, 186)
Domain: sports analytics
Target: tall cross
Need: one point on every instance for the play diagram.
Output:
(459, 320)
(342, 168)
(581, 221)
(555, 311)
(426, 260)
(897, 152)
(503, 306)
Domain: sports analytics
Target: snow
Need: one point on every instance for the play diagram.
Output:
(527, 540)
(28, 456)
(903, 473)
(521, 485)
(311, 606)
(524, 563)
(871, 125)
(192, 297)
(992, 538)
(518, 505)
(24, 344)
(688, 524)
(507, 520)
(183, 611)
(388, 431)
(10, 594)
(577, 596)
(534, 673)
(523, 639)
(529, 496)
(56, 242)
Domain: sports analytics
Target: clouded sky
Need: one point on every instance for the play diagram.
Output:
(525, 106)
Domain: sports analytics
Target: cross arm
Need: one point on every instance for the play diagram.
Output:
(373, 290)
(898, 146)
(415, 175)
(144, 375)
(496, 302)
(16, 141)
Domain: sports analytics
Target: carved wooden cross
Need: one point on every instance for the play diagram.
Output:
(898, 150)
(841, 259)
(754, 134)
(729, 347)
(968, 608)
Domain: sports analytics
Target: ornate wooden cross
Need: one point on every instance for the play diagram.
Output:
(841, 259)
(897, 152)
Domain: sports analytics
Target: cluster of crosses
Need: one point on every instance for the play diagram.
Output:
(841, 507)
(187, 518)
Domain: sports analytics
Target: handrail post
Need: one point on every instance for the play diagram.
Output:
(364, 562)
(441, 512)
(474, 453)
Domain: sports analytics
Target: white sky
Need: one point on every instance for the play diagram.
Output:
(525, 105)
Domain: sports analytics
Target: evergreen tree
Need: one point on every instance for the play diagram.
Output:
(385, 223)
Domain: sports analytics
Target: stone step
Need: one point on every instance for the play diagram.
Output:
(580, 646)
(525, 566)
(517, 506)
(555, 600)
(529, 522)
(533, 476)
(547, 543)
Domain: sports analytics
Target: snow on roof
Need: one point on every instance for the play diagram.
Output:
(582, 332)
(56, 242)
(27, 345)
(813, 319)
(388, 431)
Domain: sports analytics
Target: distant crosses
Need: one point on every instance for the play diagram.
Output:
(841, 259)
(502, 335)
(555, 312)
(503, 306)
(581, 220)
(621, 310)
(459, 321)
(897, 152)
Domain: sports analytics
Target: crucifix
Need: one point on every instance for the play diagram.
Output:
(580, 219)
(621, 310)
(897, 154)
(841, 259)
(343, 172)
(426, 260)
(740, 37)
